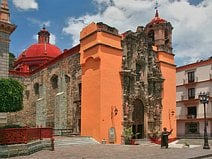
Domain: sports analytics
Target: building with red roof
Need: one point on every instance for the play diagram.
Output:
(102, 86)
(37, 54)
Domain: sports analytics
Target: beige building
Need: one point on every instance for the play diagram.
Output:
(191, 80)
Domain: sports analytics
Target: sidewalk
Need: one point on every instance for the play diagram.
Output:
(108, 151)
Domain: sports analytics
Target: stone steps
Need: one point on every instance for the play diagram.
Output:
(77, 140)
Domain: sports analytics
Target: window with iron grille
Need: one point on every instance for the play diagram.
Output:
(192, 128)
(192, 112)
(191, 77)
(191, 93)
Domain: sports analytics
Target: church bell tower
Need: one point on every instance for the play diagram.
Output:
(159, 33)
(6, 29)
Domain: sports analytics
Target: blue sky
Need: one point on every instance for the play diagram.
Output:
(191, 19)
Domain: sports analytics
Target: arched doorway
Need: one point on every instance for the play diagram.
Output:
(138, 119)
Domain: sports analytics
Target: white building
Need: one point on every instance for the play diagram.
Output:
(191, 80)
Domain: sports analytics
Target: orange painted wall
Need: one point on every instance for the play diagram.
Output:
(168, 69)
(90, 105)
(101, 60)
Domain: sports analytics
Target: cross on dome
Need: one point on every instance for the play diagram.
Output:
(156, 8)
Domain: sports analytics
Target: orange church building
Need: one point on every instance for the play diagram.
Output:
(108, 83)
(103, 73)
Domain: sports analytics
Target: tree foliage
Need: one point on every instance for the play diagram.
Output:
(11, 60)
(11, 95)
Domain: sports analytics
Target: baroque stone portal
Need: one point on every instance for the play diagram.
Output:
(142, 84)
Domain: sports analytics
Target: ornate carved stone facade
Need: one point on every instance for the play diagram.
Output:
(142, 82)
(53, 92)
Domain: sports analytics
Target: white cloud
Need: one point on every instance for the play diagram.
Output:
(52, 39)
(39, 22)
(192, 33)
(35, 37)
(25, 4)
(76, 24)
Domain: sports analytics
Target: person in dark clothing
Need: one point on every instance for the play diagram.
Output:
(165, 137)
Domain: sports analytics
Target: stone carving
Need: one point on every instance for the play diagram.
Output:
(141, 79)
(107, 28)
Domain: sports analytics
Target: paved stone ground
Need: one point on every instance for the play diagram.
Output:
(194, 141)
(146, 150)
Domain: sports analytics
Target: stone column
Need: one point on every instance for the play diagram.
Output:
(41, 109)
(61, 104)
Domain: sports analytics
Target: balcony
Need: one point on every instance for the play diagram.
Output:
(186, 117)
(191, 116)
(190, 81)
(189, 100)
(191, 97)
(181, 117)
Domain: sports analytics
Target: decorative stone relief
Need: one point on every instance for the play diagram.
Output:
(141, 79)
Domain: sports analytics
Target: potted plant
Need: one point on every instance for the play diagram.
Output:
(127, 135)
(155, 136)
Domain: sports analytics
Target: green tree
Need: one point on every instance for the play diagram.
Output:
(11, 95)
(11, 60)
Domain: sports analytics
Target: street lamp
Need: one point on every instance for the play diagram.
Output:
(204, 99)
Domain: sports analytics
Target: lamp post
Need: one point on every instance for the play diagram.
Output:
(204, 99)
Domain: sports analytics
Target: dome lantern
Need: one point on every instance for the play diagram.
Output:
(43, 36)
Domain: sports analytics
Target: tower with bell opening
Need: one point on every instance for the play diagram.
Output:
(6, 29)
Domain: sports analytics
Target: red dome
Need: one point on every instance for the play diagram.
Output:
(37, 54)
(157, 19)
(40, 50)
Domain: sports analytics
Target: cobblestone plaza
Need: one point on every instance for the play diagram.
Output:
(65, 148)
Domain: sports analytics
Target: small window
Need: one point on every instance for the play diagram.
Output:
(191, 77)
(191, 93)
(192, 112)
(54, 81)
(192, 128)
(36, 88)
(80, 89)
(166, 36)
(151, 36)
